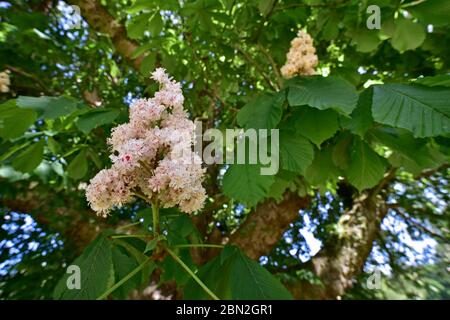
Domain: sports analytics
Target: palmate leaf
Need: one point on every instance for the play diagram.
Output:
(215, 276)
(366, 167)
(96, 271)
(95, 118)
(278, 188)
(296, 152)
(78, 167)
(442, 80)
(249, 280)
(135, 248)
(316, 125)
(262, 112)
(418, 154)
(423, 110)
(361, 118)
(233, 275)
(341, 150)
(15, 121)
(123, 265)
(30, 158)
(435, 12)
(245, 183)
(407, 35)
(138, 25)
(48, 107)
(366, 40)
(322, 93)
(173, 271)
(322, 168)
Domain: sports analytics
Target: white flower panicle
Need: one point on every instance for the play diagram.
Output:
(4, 82)
(152, 155)
(301, 58)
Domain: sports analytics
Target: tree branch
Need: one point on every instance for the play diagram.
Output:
(102, 21)
(264, 227)
(343, 257)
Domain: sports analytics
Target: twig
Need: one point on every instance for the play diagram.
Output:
(417, 224)
(274, 65)
(29, 76)
(257, 67)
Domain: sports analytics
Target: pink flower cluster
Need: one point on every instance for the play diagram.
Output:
(152, 155)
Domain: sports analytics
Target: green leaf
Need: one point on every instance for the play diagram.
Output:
(138, 25)
(245, 183)
(250, 281)
(96, 271)
(233, 275)
(14, 149)
(387, 28)
(361, 118)
(148, 64)
(48, 107)
(30, 158)
(156, 24)
(316, 125)
(278, 188)
(331, 30)
(322, 169)
(262, 112)
(53, 145)
(265, 6)
(95, 118)
(141, 49)
(123, 265)
(442, 80)
(151, 245)
(78, 167)
(182, 225)
(423, 110)
(15, 121)
(366, 40)
(140, 5)
(215, 276)
(415, 150)
(296, 152)
(341, 150)
(407, 35)
(173, 271)
(135, 248)
(435, 12)
(323, 93)
(95, 158)
(366, 167)
(431, 159)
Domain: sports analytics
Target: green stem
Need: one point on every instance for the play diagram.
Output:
(128, 225)
(123, 280)
(155, 211)
(200, 245)
(191, 273)
(132, 236)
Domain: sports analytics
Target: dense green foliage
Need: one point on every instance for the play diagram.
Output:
(379, 105)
